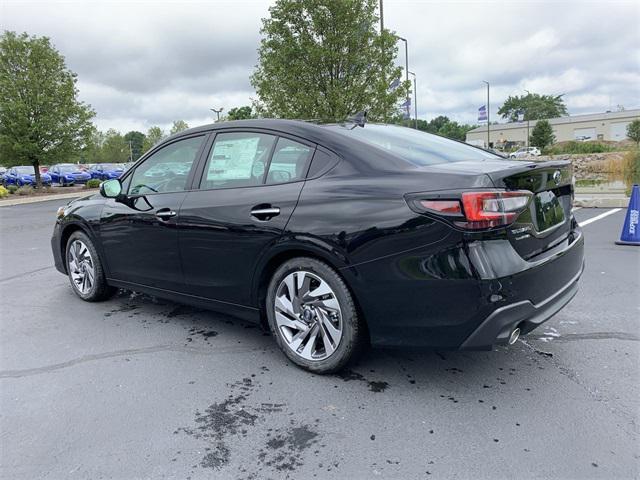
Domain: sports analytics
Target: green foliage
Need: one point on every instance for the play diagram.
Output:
(325, 60)
(41, 119)
(542, 135)
(631, 168)
(136, 141)
(533, 106)
(633, 131)
(12, 188)
(240, 113)
(153, 137)
(178, 126)
(93, 183)
(581, 148)
(3, 192)
(440, 125)
(115, 149)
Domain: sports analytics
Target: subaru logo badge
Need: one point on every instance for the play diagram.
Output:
(557, 176)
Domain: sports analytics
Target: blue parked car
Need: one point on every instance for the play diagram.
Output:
(106, 171)
(68, 174)
(24, 175)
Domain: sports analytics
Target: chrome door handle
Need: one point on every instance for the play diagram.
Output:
(165, 214)
(265, 213)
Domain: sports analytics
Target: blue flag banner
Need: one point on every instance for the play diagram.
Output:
(395, 84)
(406, 104)
(482, 114)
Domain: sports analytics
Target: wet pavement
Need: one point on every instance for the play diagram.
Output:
(139, 387)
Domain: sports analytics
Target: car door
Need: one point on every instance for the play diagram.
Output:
(12, 177)
(249, 187)
(139, 232)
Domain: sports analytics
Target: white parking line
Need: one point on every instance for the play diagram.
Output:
(599, 217)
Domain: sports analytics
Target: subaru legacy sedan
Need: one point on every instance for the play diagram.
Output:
(334, 236)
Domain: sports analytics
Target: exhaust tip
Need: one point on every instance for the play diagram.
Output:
(513, 338)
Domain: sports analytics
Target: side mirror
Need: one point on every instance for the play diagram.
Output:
(111, 188)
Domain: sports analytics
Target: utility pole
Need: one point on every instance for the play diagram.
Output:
(130, 152)
(406, 60)
(217, 112)
(488, 114)
(415, 99)
(381, 17)
(384, 77)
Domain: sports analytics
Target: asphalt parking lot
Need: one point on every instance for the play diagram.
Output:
(137, 387)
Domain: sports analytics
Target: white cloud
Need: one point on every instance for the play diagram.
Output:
(143, 63)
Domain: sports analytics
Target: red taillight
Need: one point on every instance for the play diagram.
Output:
(477, 210)
(442, 206)
(492, 209)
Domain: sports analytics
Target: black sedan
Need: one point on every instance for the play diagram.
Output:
(335, 236)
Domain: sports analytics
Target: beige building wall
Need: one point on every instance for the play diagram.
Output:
(605, 126)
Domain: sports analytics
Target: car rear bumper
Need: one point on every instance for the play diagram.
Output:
(464, 295)
(525, 315)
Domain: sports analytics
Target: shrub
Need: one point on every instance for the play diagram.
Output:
(631, 169)
(3, 192)
(93, 183)
(12, 189)
(24, 190)
(581, 148)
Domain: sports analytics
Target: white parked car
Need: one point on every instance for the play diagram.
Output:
(525, 152)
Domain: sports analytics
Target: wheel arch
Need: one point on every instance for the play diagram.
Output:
(66, 233)
(272, 262)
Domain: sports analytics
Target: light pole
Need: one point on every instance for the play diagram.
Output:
(217, 112)
(488, 113)
(406, 60)
(415, 99)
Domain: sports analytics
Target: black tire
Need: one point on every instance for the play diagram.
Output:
(100, 290)
(353, 335)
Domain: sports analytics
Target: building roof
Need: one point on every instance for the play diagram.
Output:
(589, 117)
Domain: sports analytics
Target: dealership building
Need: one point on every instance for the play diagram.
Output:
(595, 126)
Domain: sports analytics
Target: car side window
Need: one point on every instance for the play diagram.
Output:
(237, 159)
(167, 169)
(289, 162)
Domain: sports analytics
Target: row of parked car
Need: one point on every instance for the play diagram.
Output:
(62, 174)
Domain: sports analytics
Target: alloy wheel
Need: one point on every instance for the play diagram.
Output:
(81, 266)
(308, 315)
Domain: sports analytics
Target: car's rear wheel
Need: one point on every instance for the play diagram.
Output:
(85, 270)
(313, 316)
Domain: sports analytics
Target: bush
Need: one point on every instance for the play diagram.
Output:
(12, 189)
(3, 192)
(25, 190)
(93, 183)
(631, 169)
(581, 148)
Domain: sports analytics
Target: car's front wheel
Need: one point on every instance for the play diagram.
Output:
(85, 269)
(313, 316)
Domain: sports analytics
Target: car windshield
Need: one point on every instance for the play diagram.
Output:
(110, 166)
(25, 170)
(417, 147)
(68, 168)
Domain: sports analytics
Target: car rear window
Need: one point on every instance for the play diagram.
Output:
(414, 146)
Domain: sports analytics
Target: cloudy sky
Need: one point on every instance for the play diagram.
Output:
(143, 63)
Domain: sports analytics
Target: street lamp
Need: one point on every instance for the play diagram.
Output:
(415, 98)
(217, 112)
(406, 60)
(488, 113)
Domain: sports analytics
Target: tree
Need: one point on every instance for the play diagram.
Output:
(533, 106)
(115, 149)
(153, 137)
(542, 135)
(443, 126)
(633, 131)
(41, 119)
(324, 59)
(136, 142)
(178, 126)
(240, 113)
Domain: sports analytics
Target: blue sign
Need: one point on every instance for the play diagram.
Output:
(482, 114)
